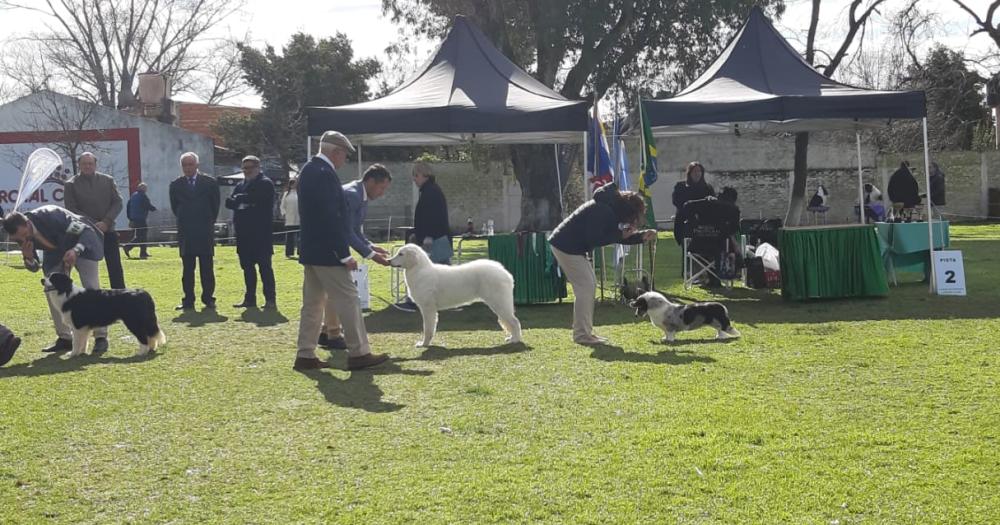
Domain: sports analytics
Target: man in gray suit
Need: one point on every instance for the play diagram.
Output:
(194, 199)
(67, 241)
(373, 184)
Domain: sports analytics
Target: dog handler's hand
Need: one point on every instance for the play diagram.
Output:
(69, 260)
(380, 259)
(351, 264)
(379, 249)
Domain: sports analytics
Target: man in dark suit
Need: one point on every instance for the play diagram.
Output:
(194, 199)
(373, 184)
(326, 259)
(252, 203)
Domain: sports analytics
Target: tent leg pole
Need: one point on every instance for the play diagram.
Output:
(359, 160)
(309, 147)
(861, 183)
(584, 170)
(562, 208)
(932, 278)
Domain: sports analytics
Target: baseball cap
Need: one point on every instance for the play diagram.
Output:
(338, 139)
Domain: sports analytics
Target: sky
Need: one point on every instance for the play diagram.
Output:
(273, 21)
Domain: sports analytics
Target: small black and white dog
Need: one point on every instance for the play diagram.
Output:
(672, 317)
(86, 310)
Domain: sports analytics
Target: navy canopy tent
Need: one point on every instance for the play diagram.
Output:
(467, 92)
(760, 82)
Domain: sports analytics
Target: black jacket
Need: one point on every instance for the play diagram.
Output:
(937, 190)
(711, 214)
(903, 188)
(253, 204)
(684, 192)
(325, 225)
(430, 218)
(196, 210)
(592, 225)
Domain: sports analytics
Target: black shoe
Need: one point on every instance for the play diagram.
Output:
(335, 343)
(61, 345)
(270, 305)
(127, 254)
(407, 306)
(244, 304)
(100, 346)
(184, 306)
(210, 305)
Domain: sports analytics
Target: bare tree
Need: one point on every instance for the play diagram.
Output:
(217, 77)
(989, 23)
(858, 14)
(97, 47)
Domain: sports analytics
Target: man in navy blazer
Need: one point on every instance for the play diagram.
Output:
(373, 184)
(326, 259)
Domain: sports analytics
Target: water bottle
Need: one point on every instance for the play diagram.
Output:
(489, 227)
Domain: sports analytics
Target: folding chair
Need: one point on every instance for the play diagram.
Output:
(697, 265)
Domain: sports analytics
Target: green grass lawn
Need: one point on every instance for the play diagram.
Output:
(836, 412)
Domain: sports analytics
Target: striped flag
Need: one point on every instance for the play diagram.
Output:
(597, 150)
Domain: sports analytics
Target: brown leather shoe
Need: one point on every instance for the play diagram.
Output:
(309, 363)
(365, 361)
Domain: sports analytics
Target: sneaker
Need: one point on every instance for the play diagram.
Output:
(61, 345)
(407, 305)
(100, 346)
(332, 343)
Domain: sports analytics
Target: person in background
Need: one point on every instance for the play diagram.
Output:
(252, 202)
(693, 187)
(610, 217)
(874, 207)
(326, 259)
(290, 211)
(431, 229)
(720, 217)
(67, 241)
(194, 200)
(94, 196)
(373, 184)
(137, 210)
(902, 189)
(937, 188)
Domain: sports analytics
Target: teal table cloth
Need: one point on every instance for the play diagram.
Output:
(904, 245)
(828, 262)
(528, 257)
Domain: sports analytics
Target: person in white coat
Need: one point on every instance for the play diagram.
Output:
(290, 211)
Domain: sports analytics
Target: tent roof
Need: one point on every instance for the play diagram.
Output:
(760, 82)
(467, 91)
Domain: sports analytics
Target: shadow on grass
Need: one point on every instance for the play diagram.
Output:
(195, 318)
(439, 353)
(479, 317)
(359, 389)
(616, 354)
(59, 363)
(263, 318)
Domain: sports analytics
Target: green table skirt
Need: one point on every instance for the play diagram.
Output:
(831, 262)
(904, 245)
(529, 259)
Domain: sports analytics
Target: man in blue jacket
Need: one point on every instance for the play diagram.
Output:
(137, 211)
(326, 259)
(373, 184)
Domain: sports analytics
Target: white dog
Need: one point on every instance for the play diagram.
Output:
(672, 317)
(436, 287)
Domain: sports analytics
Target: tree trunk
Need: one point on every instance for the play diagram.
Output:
(534, 167)
(797, 203)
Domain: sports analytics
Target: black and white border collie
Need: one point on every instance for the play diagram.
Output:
(86, 310)
(672, 317)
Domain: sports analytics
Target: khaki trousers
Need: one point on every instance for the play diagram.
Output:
(91, 280)
(333, 288)
(580, 273)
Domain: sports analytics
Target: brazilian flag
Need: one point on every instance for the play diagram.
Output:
(648, 168)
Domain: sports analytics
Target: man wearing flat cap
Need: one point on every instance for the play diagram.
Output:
(326, 259)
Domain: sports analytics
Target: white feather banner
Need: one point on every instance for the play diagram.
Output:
(40, 165)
